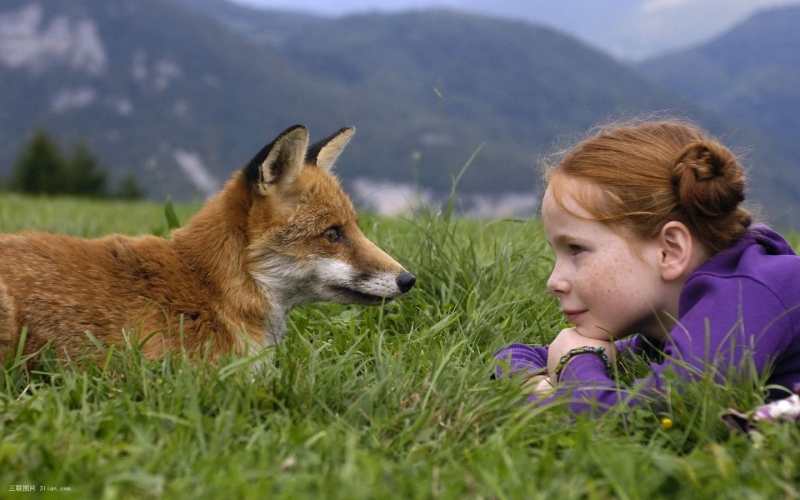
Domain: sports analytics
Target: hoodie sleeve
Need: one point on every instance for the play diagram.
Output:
(718, 328)
(523, 357)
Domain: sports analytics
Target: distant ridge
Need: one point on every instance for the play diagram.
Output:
(187, 92)
(752, 75)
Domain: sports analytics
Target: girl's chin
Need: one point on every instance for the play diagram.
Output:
(593, 333)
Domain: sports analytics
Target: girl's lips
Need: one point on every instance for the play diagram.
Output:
(572, 316)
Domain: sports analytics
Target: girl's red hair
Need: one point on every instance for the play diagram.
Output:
(642, 176)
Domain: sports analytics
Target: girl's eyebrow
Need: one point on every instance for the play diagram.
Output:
(566, 239)
(561, 238)
(558, 239)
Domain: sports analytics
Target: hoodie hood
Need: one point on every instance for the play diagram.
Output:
(773, 243)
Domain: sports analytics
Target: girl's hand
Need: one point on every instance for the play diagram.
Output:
(539, 385)
(570, 339)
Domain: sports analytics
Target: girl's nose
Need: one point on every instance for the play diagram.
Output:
(556, 283)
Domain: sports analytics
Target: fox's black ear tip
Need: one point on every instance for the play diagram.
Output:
(350, 130)
(293, 128)
(291, 139)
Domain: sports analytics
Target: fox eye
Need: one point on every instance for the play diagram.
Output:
(332, 234)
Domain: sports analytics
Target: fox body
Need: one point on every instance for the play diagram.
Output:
(280, 233)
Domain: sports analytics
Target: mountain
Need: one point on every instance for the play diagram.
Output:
(627, 29)
(173, 96)
(750, 74)
(464, 80)
(182, 92)
(520, 86)
(264, 26)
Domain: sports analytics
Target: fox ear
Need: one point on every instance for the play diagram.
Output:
(324, 153)
(279, 162)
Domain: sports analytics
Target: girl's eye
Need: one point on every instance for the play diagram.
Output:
(576, 249)
(332, 234)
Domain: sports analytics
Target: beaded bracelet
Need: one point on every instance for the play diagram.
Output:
(600, 352)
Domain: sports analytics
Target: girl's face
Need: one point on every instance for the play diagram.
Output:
(609, 282)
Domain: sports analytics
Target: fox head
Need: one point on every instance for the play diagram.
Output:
(304, 241)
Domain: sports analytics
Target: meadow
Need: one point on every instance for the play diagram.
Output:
(387, 402)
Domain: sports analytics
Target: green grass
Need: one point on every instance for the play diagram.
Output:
(392, 402)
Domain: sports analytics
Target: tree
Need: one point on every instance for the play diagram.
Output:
(129, 188)
(40, 168)
(84, 178)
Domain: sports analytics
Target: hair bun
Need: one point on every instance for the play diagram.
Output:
(708, 180)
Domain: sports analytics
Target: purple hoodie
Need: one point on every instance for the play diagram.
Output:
(743, 301)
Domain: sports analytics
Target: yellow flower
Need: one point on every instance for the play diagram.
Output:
(666, 423)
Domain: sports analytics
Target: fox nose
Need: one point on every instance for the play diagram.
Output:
(406, 281)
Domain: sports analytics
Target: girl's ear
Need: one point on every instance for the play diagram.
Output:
(677, 251)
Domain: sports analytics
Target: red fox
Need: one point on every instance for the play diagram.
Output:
(280, 233)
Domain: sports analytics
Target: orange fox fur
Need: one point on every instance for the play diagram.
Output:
(280, 233)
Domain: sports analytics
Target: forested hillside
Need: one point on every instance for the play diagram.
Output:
(182, 93)
(751, 74)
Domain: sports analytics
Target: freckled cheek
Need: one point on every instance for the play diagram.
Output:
(599, 283)
(594, 276)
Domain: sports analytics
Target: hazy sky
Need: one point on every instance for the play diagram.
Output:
(628, 29)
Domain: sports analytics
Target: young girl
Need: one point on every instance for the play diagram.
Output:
(651, 241)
